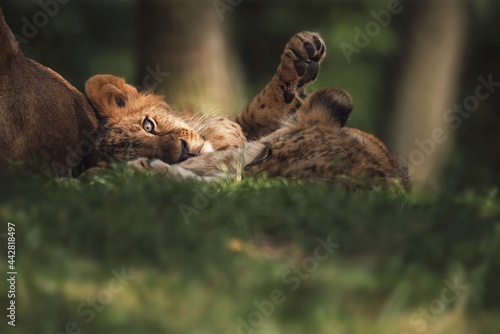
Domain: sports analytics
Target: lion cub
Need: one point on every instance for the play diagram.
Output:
(287, 133)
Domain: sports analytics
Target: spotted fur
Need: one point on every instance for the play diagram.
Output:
(283, 95)
(289, 134)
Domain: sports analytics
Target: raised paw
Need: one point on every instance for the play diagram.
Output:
(286, 91)
(301, 59)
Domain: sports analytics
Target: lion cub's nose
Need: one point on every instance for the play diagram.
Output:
(185, 154)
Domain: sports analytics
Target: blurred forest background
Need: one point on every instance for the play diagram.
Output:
(404, 75)
(204, 258)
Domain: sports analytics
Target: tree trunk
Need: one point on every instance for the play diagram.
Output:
(187, 39)
(427, 89)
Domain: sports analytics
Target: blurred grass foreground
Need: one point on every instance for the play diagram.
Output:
(125, 253)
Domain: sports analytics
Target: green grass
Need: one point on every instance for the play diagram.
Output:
(200, 262)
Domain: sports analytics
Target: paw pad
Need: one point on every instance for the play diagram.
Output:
(310, 50)
(300, 67)
(305, 51)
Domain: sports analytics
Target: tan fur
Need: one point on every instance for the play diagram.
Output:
(42, 116)
(123, 113)
(294, 136)
(312, 145)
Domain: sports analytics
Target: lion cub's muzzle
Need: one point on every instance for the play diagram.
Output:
(185, 154)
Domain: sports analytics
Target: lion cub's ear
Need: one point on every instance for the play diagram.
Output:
(327, 105)
(109, 94)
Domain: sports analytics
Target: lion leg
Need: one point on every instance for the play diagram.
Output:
(283, 95)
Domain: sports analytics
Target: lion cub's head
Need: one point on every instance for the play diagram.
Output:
(134, 125)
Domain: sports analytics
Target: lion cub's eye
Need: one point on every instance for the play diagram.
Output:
(148, 125)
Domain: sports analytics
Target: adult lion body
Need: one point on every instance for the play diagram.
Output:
(42, 116)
